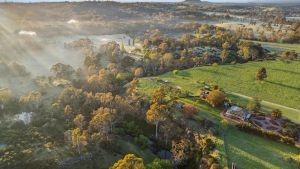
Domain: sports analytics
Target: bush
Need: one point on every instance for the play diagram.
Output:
(271, 135)
(175, 72)
(189, 110)
(142, 141)
(160, 164)
(276, 113)
(132, 129)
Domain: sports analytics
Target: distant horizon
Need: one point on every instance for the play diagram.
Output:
(125, 1)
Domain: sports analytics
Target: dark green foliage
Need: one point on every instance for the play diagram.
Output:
(261, 74)
(132, 129)
(160, 164)
(142, 141)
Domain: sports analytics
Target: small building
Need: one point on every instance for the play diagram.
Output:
(238, 112)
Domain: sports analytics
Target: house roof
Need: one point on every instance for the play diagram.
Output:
(238, 111)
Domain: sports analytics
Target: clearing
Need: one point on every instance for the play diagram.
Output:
(281, 89)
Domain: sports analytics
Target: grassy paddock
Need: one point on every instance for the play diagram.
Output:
(280, 46)
(281, 87)
(247, 150)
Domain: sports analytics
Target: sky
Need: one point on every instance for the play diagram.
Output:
(240, 1)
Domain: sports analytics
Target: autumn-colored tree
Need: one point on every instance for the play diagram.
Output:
(131, 88)
(189, 110)
(130, 161)
(104, 119)
(79, 139)
(79, 121)
(62, 71)
(276, 113)
(182, 151)
(261, 74)
(68, 110)
(216, 98)
(139, 72)
(226, 45)
(32, 101)
(167, 59)
(156, 114)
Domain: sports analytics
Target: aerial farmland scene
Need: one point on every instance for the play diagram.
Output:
(150, 84)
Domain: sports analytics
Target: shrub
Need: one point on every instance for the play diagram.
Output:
(142, 141)
(132, 129)
(175, 72)
(189, 110)
(271, 135)
(160, 164)
(276, 113)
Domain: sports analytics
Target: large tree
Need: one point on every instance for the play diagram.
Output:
(216, 97)
(156, 114)
(261, 74)
(130, 161)
(63, 71)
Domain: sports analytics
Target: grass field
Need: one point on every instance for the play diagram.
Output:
(246, 150)
(282, 85)
(280, 46)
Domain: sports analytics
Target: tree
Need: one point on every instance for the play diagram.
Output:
(254, 105)
(139, 72)
(167, 59)
(32, 101)
(261, 74)
(216, 98)
(156, 114)
(79, 139)
(226, 45)
(62, 71)
(276, 113)
(130, 161)
(68, 110)
(160, 164)
(181, 151)
(79, 121)
(225, 124)
(189, 110)
(227, 56)
(104, 120)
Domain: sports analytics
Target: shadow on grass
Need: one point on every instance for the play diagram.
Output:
(287, 71)
(283, 85)
(251, 150)
(214, 72)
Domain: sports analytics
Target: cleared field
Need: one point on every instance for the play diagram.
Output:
(246, 150)
(280, 46)
(281, 87)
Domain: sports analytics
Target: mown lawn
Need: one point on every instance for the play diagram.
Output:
(282, 85)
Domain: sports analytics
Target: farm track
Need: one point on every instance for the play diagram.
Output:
(265, 102)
